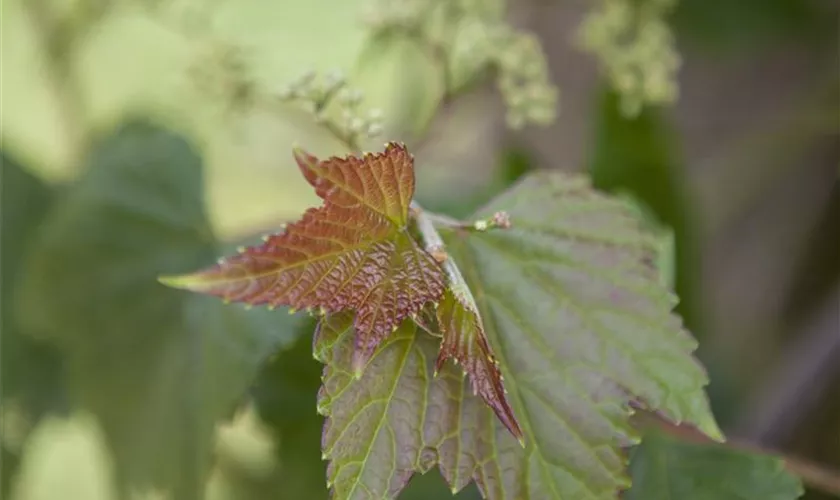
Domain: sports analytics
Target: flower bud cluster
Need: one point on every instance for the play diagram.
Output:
(520, 65)
(635, 46)
(483, 42)
(524, 80)
(322, 94)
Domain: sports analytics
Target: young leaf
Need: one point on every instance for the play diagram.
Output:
(665, 467)
(464, 340)
(352, 253)
(574, 309)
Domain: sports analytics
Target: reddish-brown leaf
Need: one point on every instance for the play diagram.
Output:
(353, 253)
(466, 343)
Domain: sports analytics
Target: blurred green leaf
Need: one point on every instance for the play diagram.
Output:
(285, 393)
(65, 458)
(30, 371)
(158, 367)
(666, 468)
(728, 27)
(28, 367)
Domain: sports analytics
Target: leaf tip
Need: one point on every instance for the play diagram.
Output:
(292, 310)
(303, 158)
(180, 281)
(711, 429)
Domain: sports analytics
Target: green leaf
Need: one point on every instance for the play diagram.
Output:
(741, 29)
(574, 309)
(159, 367)
(24, 202)
(666, 244)
(638, 157)
(30, 372)
(666, 468)
(397, 418)
(285, 394)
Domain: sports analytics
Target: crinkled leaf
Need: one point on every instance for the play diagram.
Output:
(464, 341)
(664, 467)
(574, 309)
(352, 253)
(158, 367)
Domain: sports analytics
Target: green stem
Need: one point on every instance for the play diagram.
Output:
(432, 240)
(499, 220)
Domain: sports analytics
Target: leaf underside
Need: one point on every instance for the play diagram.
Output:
(352, 253)
(571, 303)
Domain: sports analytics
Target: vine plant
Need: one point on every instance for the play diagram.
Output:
(547, 302)
(530, 349)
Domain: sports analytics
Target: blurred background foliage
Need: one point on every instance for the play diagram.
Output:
(117, 167)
